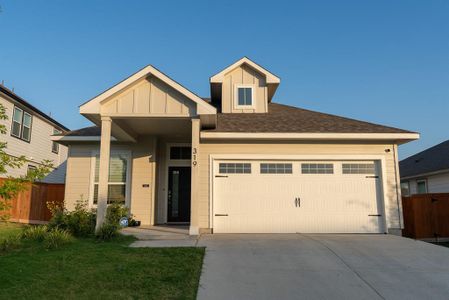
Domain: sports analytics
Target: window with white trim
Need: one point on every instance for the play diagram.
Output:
(21, 124)
(314, 168)
(244, 96)
(54, 145)
(117, 179)
(421, 186)
(405, 188)
(275, 168)
(358, 169)
(234, 168)
(180, 153)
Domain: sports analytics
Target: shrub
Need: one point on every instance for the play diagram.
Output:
(57, 238)
(107, 231)
(35, 233)
(115, 212)
(12, 242)
(79, 222)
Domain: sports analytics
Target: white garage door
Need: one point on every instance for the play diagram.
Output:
(297, 196)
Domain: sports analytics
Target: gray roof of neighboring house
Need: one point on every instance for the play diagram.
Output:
(25, 103)
(284, 118)
(280, 118)
(430, 160)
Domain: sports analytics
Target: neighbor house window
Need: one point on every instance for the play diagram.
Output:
(54, 145)
(405, 188)
(317, 168)
(30, 169)
(358, 168)
(244, 96)
(421, 186)
(275, 168)
(235, 168)
(181, 152)
(117, 179)
(21, 124)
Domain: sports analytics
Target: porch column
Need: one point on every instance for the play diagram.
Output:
(194, 199)
(105, 146)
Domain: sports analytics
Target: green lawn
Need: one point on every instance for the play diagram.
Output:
(87, 269)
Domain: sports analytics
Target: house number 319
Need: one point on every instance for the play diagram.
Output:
(194, 158)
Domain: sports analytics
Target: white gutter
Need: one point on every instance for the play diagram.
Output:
(308, 136)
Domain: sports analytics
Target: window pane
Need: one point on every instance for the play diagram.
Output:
(405, 188)
(275, 168)
(317, 168)
(15, 129)
(422, 188)
(27, 120)
(117, 169)
(358, 168)
(234, 168)
(17, 116)
(116, 193)
(26, 133)
(248, 96)
(55, 147)
(241, 95)
(97, 168)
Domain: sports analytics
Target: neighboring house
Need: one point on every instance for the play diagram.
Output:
(29, 132)
(236, 162)
(426, 171)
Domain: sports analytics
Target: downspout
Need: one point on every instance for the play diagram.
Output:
(397, 186)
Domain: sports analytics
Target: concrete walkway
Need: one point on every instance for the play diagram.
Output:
(322, 267)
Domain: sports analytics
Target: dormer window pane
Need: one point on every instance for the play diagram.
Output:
(245, 96)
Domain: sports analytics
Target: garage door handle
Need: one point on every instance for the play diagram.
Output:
(372, 176)
(374, 215)
(298, 202)
(221, 215)
(221, 176)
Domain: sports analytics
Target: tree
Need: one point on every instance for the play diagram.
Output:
(12, 186)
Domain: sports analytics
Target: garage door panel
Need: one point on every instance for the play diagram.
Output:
(266, 203)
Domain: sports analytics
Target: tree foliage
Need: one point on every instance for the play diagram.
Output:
(12, 186)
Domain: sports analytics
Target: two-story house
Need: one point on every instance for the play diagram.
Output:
(234, 163)
(29, 132)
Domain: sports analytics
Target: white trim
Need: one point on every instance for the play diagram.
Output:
(62, 138)
(171, 163)
(236, 96)
(93, 106)
(128, 155)
(318, 157)
(309, 136)
(270, 77)
(425, 174)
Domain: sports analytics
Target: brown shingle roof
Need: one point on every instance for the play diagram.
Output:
(283, 118)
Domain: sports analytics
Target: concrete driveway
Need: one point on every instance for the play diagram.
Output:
(301, 266)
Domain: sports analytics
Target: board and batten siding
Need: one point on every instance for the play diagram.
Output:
(393, 218)
(148, 97)
(38, 149)
(244, 75)
(142, 175)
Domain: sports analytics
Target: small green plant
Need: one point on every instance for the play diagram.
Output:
(107, 232)
(80, 222)
(115, 212)
(35, 233)
(56, 238)
(11, 242)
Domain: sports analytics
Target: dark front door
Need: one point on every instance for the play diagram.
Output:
(178, 194)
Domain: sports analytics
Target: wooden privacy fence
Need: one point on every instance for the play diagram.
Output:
(30, 205)
(426, 216)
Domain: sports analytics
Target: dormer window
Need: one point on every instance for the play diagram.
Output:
(245, 96)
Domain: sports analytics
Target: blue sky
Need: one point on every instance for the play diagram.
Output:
(381, 61)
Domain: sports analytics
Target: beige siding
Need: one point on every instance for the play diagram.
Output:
(208, 149)
(247, 76)
(38, 149)
(149, 97)
(143, 158)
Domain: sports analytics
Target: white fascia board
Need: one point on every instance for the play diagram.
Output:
(309, 136)
(270, 77)
(93, 106)
(417, 176)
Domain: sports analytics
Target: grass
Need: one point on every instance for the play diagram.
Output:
(8, 229)
(88, 269)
